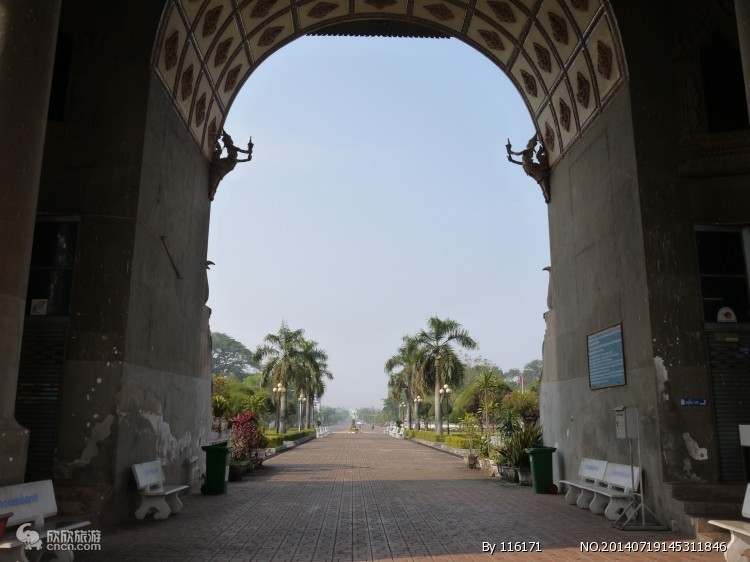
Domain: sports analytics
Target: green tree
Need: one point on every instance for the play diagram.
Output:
(439, 363)
(280, 359)
(487, 385)
(524, 405)
(404, 382)
(474, 367)
(220, 386)
(230, 356)
(532, 374)
(311, 376)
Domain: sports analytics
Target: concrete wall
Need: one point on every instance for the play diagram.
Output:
(164, 405)
(674, 289)
(92, 170)
(674, 199)
(599, 279)
(624, 205)
(134, 386)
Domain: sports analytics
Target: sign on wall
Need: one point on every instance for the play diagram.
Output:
(606, 358)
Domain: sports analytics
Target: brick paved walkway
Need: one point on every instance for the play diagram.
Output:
(368, 496)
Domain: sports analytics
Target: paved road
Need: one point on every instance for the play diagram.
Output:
(368, 496)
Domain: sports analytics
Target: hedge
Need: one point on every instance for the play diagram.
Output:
(278, 440)
(453, 440)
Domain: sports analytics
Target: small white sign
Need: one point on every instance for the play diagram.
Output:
(38, 307)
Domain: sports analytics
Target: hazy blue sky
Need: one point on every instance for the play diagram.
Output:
(379, 194)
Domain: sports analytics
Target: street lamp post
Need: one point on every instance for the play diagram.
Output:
(417, 403)
(442, 394)
(447, 407)
(438, 399)
(301, 400)
(402, 411)
(445, 391)
(277, 391)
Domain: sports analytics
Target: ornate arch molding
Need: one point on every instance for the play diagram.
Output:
(564, 56)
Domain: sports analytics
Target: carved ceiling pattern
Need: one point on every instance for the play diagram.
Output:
(564, 56)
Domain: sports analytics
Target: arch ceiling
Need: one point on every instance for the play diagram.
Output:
(564, 56)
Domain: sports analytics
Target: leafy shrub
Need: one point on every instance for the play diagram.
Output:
(524, 405)
(511, 452)
(469, 426)
(278, 440)
(509, 423)
(244, 440)
(219, 406)
(456, 440)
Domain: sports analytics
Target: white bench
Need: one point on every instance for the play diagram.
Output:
(590, 473)
(30, 504)
(149, 478)
(603, 487)
(322, 431)
(399, 434)
(740, 533)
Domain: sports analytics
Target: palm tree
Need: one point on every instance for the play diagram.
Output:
(313, 369)
(280, 359)
(438, 361)
(486, 384)
(406, 380)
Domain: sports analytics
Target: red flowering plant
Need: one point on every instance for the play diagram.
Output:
(245, 434)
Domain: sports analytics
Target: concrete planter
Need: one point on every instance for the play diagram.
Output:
(238, 470)
(509, 474)
(524, 476)
(489, 467)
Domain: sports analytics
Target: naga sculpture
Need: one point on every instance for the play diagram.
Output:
(221, 166)
(538, 170)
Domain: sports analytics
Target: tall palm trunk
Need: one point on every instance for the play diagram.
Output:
(438, 401)
(282, 414)
(408, 408)
(438, 408)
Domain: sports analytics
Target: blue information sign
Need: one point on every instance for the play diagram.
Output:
(606, 358)
(693, 402)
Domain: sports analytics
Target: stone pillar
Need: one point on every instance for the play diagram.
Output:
(28, 32)
(742, 9)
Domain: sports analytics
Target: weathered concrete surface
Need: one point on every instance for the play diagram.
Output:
(599, 279)
(136, 384)
(625, 202)
(27, 46)
(368, 496)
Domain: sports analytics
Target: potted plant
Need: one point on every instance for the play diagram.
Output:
(260, 448)
(219, 407)
(508, 424)
(469, 427)
(244, 443)
(512, 452)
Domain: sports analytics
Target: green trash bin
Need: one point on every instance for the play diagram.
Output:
(541, 469)
(217, 468)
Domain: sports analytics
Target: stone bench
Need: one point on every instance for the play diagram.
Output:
(26, 507)
(603, 487)
(149, 478)
(740, 532)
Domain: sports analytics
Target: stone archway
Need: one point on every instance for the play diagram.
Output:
(565, 58)
(635, 170)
